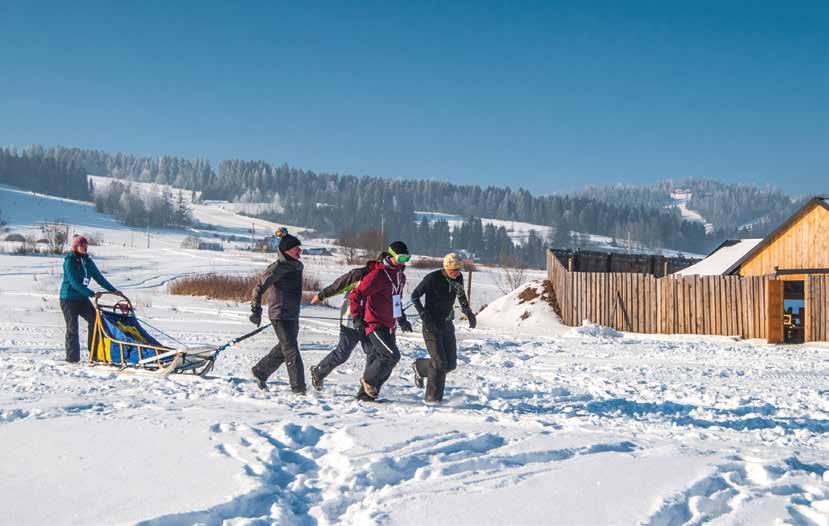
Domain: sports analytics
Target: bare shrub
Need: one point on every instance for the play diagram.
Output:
(56, 235)
(191, 241)
(233, 287)
(28, 245)
(348, 242)
(509, 274)
(356, 246)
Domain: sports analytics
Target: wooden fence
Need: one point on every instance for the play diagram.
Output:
(713, 305)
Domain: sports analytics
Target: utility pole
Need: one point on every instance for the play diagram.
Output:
(469, 283)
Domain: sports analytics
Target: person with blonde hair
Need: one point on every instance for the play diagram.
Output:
(440, 289)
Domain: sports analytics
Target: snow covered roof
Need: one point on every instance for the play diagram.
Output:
(722, 260)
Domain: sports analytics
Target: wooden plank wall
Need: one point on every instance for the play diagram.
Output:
(712, 305)
(817, 308)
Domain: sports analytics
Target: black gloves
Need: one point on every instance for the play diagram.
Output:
(360, 325)
(470, 316)
(405, 325)
(256, 316)
(427, 322)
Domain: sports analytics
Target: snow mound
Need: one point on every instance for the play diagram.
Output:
(596, 331)
(525, 310)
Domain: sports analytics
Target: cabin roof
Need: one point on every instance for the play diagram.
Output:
(721, 259)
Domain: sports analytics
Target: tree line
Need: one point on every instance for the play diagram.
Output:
(138, 209)
(334, 203)
(30, 170)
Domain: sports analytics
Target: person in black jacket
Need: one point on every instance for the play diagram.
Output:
(441, 288)
(284, 279)
(349, 337)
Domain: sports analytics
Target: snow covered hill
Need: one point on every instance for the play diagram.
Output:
(542, 424)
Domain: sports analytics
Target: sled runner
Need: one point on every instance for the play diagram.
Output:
(120, 340)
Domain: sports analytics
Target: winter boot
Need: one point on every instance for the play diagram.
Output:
(316, 379)
(368, 388)
(260, 382)
(418, 380)
(363, 397)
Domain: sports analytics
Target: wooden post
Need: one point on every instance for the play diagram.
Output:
(774, 311)
(570, 264)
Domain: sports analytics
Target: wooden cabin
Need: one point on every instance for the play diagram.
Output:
(796, 258)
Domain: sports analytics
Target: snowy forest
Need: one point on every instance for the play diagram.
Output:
(333, 203)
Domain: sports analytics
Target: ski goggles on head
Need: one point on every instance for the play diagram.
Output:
(401, 258)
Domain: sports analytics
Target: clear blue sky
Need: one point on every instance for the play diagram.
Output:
(550, 96)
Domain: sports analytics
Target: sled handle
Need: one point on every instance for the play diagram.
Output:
(124, 299)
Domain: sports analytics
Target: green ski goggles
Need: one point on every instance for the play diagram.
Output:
(401, 258)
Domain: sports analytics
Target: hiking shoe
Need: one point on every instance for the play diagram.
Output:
(260, 382)
(300, 392)
(368, 389)
(363, 397)
(316, 379)
(418, 380)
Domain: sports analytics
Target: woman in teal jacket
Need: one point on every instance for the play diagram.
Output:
(78, 270)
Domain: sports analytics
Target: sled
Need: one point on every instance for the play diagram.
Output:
(120, 340)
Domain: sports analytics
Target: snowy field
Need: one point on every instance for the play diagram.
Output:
(542, 424)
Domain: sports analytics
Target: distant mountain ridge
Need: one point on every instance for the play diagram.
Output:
(729, 209)
(331, 203)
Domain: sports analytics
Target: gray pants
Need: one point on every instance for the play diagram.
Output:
(71, 310)
(287, 352)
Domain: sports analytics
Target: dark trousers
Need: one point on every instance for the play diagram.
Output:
(349, 338)
(383, 355)
(287, 352)
(71, 310)
(443, 358)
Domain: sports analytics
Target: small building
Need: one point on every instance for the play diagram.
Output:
(793, 254)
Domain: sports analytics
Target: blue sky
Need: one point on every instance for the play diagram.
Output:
(549, 96)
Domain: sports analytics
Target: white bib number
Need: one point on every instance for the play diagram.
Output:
(396, 305)
(85, 282)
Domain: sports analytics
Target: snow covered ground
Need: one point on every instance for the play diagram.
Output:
(542, 424)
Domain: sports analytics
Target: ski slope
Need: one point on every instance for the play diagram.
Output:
(542, 424)
(681, 198)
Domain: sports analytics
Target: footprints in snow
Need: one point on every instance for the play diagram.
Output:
(735, 485)
(299, 475)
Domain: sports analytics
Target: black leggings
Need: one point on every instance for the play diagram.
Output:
(287, 352)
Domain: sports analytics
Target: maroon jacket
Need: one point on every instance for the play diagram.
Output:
(372, 298)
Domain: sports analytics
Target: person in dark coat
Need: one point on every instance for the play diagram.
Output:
(78, 271)
(440, 288)
(375, 305)
(282, 280)
(349, 338)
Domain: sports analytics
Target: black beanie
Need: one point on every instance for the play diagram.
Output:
(399, 247)
(287, 242)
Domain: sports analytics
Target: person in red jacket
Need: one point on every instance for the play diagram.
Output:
(375, 306)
